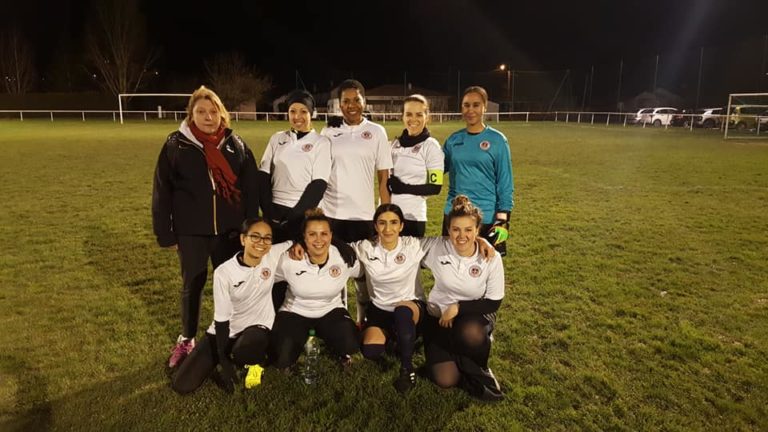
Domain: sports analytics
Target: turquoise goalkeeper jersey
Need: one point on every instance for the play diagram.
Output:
(480, 167)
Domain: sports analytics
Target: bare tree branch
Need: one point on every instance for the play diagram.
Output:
(16, 66)
(234, 81)
(117, 45)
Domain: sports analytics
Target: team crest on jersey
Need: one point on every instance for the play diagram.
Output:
(416, 148)
(485, 145)
(400, 258)
(367, 135)
(334, 271)
(306, 147)
(475, 271)
(266, 273)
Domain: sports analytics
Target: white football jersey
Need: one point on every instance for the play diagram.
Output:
(294, 163)
(393, 276)
(357, 153)
(414, 165)
(242, 295)
(313, 291)
(460, 278)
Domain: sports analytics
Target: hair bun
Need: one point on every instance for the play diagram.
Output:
(314, 212)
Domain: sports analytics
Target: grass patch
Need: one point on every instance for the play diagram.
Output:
(636, 291)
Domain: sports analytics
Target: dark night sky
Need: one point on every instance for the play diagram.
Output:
(329, 39)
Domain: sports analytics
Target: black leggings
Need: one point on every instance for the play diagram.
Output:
(470, 337)
(247, 348)
(194, 252)
(291, 330)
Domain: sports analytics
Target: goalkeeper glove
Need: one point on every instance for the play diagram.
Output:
(499, 231)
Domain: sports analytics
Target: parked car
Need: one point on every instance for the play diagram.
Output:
(642, 116)
(682, 118)
(743, 117)
(662, 116)
(709, 118)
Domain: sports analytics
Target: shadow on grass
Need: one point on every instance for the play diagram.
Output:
(142, 400)
(31, 409)
(146, 271)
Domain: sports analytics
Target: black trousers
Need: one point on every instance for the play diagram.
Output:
(484, 228)
(414, 228)
(291, 330)
(247, 348)
(194, 252)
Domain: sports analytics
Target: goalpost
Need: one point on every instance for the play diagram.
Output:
(746, 116)
(122, 95)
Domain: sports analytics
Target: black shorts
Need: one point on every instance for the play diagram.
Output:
(352, 230)
(414, 228)
(385, 320)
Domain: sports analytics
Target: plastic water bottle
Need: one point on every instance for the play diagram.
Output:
(311, 360)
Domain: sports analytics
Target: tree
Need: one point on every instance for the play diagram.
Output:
(116, 45)
(234, 81)
(16, 65)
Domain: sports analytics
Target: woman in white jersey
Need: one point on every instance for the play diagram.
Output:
(316, 296)
(462, 306)
(296, 163)
(417, 166)
(293, 174)
(243, 314)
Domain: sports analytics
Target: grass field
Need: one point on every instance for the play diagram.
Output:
(637, 294)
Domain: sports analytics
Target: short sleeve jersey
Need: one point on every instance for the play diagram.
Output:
(357, 152)
(242, 295)
(460, 278)
(415, 165)
(480, 167)
(313, 291)
(393, 276)
(294, 163)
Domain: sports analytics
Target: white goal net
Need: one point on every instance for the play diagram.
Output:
(155, 99)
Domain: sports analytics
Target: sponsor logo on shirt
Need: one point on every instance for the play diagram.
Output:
(444, 262)
(475, 271)
(306, 147)
(266, 273)
(416, 148)
(229, 148)
(336, 135)
(301, 273)
(373, 258)
(400, 258)
(334, 271)
(239, 283)
(281, 142)
(367, 135)
(485, 145)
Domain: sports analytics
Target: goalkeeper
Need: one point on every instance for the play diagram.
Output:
(479, 165)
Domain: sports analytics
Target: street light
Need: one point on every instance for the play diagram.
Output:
(510, 83)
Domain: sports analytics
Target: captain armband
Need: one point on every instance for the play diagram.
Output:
(435, 177)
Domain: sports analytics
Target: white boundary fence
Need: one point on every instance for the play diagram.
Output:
(578, 117)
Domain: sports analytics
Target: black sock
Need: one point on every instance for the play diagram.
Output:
(406, 335)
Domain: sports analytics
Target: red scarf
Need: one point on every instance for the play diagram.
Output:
(220, 170)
